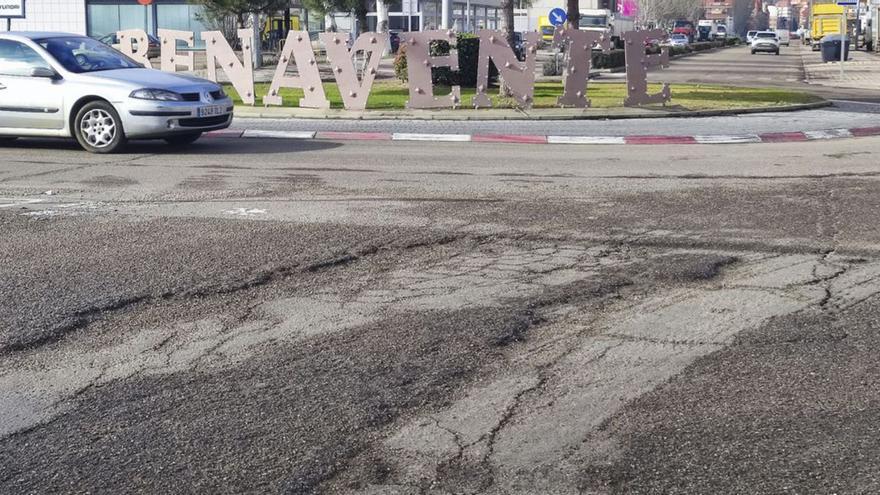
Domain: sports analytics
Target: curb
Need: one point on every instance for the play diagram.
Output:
(642, 140)
(551, 114)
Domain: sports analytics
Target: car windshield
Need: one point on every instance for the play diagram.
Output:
(752, 33)
(680, 24)
(722, 29)
(766, 35)
(79, 54)
(592, 20)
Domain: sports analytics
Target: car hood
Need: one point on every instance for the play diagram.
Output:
(149, 78)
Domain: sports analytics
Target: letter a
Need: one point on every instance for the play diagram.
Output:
(298, 48)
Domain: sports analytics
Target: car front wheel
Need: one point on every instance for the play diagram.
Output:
(183, 139)
(98, 128)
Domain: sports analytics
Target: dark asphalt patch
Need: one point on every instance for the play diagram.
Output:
(791, 407)
(286, 420)
(56, 274)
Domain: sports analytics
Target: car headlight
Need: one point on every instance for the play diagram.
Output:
(156, 94)
(221, 93)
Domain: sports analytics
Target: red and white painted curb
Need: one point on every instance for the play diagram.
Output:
(774, 137)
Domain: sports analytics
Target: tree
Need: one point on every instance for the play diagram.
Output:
(574, 14)
(507, 20)
(216, 12)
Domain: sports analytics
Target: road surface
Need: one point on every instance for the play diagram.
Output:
(284, 316)
(261, 315)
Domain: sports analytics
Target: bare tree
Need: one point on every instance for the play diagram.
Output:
(574, 13)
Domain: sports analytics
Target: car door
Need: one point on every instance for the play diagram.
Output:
(27, 102)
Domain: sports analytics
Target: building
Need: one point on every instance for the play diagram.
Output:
(98, 18)
(721, 11)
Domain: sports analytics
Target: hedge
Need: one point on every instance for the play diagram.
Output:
(468, 46)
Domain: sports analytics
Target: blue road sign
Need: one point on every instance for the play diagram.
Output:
(847, 3)
(558, 17)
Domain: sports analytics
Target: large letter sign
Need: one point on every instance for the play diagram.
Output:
(418, 69)
(578, 45)
(171, 59)
(354, 93)
(240, 73)
(518, 78)
(298, 48)
(135, 44)
(637, 63)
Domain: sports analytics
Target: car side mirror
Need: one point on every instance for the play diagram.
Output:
(43, 72)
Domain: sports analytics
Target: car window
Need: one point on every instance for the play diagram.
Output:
(18, 59)
(766, 35)
(80, 54)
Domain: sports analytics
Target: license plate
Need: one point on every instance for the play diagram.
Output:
(212, 111)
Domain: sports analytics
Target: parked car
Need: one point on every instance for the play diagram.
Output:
(722, 32)
(65, 85)
(394, 36)
(519, 46)
(750, 36)
(765, 41)
(784, 36)
(677, 40)
(153, 50)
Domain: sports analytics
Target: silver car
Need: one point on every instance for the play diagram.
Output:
(64, 85)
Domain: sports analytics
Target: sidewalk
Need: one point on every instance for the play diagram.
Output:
(485, 114)
(861, 71)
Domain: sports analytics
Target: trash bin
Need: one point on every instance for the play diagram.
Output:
(831, 48)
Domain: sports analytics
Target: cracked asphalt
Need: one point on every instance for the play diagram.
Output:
(267, 316)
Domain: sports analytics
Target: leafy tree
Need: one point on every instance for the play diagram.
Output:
(215, 12)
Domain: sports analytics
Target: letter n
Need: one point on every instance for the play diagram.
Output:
(240, 72)
(517, 78)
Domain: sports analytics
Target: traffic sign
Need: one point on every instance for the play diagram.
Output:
(12, 9)
(558, 17)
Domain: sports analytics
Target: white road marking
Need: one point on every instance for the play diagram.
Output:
(18, 202)
(721, 139)
(245, 212)
(828, 134)
(586, 140)
(458, 138)
(255, 133)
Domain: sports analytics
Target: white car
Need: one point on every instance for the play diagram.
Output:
(64, 85)
(677, 40)
(750, 36)
(765, 41)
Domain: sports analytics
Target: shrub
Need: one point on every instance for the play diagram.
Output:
(610, 60)
(468, 46)
(400, 66)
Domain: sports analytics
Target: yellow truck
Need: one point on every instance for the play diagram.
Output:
(546, 29)
(825, 19)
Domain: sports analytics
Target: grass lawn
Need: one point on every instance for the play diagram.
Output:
(392, 95)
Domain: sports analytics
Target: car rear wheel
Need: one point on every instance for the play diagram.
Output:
(183, 139)
(98, 128)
